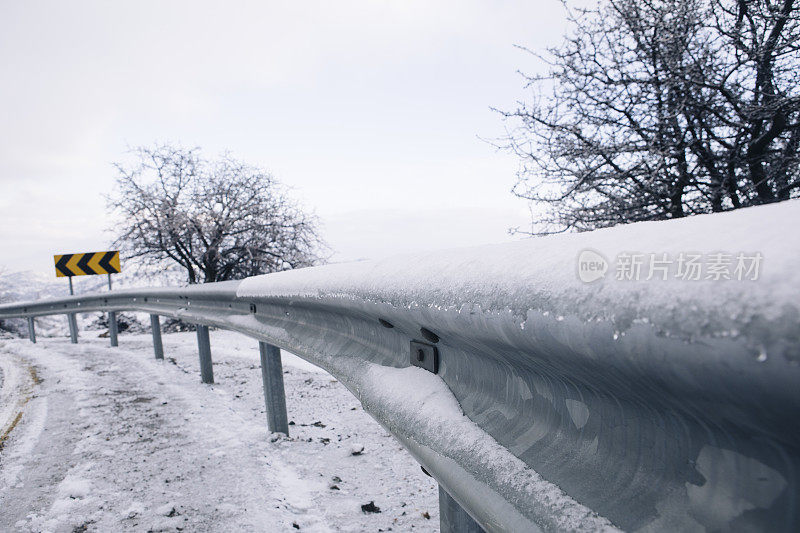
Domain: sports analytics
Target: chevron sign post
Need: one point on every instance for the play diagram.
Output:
(89, 264)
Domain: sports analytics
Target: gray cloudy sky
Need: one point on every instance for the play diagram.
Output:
(370, 110)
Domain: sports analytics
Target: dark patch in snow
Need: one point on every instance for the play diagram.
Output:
(370, 508)
(356, 449)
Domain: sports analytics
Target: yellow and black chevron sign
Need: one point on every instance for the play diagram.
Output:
(87, 264)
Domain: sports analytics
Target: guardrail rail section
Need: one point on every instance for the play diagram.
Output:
(539, 401)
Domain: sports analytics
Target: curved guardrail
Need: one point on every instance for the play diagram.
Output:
(555, 404)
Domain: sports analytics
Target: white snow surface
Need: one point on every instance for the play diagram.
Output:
(113, 440)
(539, 275)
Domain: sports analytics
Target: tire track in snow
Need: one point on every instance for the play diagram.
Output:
(17, 388)
(38, 452)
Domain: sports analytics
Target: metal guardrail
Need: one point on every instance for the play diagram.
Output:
(215, 305)
(569, 424)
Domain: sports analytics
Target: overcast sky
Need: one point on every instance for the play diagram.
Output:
(371, 110)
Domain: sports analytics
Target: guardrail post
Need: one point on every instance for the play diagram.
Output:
(112, 321)
(453, 518)
(112, 328)
(73, 324)
(73, 328)
(155, 326)
(204, 347)
(274, 394)
(31, 330)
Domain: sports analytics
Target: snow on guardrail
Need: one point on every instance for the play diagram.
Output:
(541, 276)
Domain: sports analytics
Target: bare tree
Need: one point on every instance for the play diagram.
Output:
(218, 220)
(657, 109)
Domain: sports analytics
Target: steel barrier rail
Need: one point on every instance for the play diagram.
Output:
(552, 404)
(217, 305)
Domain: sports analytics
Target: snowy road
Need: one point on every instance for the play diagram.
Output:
(111, 439)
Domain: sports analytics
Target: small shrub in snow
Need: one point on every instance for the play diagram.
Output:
(126, 323)
(175, 325)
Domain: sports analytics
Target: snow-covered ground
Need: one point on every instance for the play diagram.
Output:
(111, 440)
